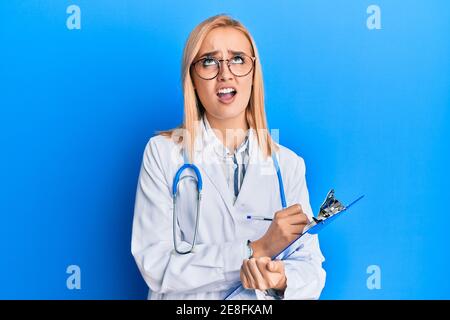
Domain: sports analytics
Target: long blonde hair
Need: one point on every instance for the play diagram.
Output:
(193, 109)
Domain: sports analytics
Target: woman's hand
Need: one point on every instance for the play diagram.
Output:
(263, 273)
(286, 226)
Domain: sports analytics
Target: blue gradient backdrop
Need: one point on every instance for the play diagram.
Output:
(367, 109)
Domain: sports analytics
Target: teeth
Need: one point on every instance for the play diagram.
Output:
(226, 90)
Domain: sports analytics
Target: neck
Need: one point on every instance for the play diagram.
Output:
(232, 130)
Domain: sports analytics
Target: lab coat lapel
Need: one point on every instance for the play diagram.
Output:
(217, 178)
(213, 169)
(256, 174)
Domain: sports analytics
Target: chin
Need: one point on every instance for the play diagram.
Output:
(227, 112)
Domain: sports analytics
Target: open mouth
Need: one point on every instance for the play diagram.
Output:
(226, 94)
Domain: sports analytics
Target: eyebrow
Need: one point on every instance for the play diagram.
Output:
(212, 53)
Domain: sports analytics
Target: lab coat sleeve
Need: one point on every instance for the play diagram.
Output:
(213, 267)
(304, 272)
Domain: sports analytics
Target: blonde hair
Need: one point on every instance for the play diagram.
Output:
(193, 110)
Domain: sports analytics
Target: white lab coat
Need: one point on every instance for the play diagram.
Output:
(213, 269)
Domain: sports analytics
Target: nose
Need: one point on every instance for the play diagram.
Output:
(224, 71)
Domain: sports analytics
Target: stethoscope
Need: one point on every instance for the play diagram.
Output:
(199, 182)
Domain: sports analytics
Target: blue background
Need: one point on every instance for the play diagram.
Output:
(367, 109)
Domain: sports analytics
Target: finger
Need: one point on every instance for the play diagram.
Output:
(261, 263)
(260, 283)
(294, 209)
(275, 266)
(299, 218)
(295, 229)
(248, 274)
(262, 266)
(244, 280)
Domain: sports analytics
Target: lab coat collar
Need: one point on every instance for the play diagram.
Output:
(221, 150)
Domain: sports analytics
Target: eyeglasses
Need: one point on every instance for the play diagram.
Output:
(208, 68)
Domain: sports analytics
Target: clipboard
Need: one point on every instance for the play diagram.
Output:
(329, 211)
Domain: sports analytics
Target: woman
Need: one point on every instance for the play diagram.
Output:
(224, 134)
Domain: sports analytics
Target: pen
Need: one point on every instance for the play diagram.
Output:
(259, 218)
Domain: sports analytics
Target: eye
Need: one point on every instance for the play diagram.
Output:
(238, 60)
(208, 62)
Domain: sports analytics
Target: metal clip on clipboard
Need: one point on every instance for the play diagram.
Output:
(330, 209)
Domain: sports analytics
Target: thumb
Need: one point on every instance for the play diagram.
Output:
(275, 266)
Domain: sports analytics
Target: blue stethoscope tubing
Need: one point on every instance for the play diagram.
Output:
(198, 177)
(176, 180)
